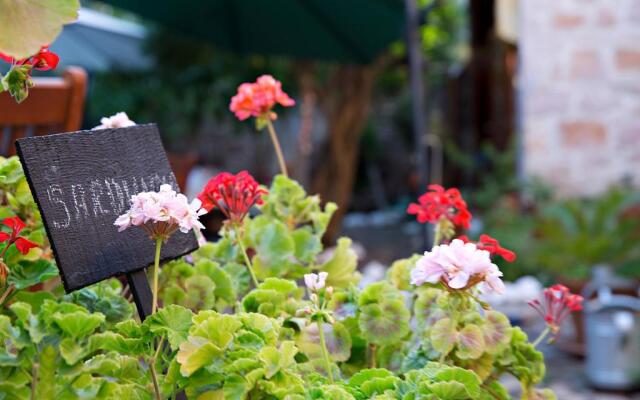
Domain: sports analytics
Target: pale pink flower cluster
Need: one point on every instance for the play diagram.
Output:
(458, 265)
(315, 282)
(119, 120)
(162, 212)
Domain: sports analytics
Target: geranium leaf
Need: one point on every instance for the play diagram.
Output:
(29, 273)
(173, 322)
(470, 342)
(342, 265)
(496, 330)
(384, 323)
(365, 375)
(337, 338)
(71, 351)
(26, 25)
(78, 324)
(195, 353)
(112, 341)
(444, 336)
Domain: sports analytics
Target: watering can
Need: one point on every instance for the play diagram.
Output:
(612, 327)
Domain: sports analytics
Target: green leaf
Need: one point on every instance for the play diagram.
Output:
(383, 317)
(284, 286)
(224, 288)
(307, 245)
(195, 353)
(444, 336)
(359, 378)
(449, 391)
(47, 374)
(29, 273)
(399, 274)
(276, 359)
(19, 38)
(496, 330)
(273, 244)
(240, 277)
(468, 379)
(470, 342)
(115, 342)
(17, 82)
(78, 324)
(34, 299)
(342, 265)
(235, 387)
(71, 351)
(379, 292)
(337, 338)
(105, 298)
(171, 321)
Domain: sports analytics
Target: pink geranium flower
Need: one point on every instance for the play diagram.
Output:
(162, 213)
(258, 99)
(458, 265)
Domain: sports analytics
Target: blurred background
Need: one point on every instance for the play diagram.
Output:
(530, 107)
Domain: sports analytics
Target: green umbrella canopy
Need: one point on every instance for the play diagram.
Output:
(347, 31)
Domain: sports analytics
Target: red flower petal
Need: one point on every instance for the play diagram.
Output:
(4, 236)
(24, 245)
(15, 223)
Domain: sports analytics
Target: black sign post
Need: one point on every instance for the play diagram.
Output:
(82, 181)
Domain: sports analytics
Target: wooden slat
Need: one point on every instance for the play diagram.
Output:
(54, 105)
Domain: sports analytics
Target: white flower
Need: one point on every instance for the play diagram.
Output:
(119, 120)
(315, 282)
(161, 213)
(459, 265)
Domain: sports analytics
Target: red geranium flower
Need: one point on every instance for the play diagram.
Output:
(491, 245)
(16, 225)
(559, 302)
(233, 195)
(439, 203)
(258, 99)
(44, 60)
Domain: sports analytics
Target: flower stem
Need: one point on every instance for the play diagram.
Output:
(6, 294)
(541, 337)
(325, 353)
(437, 237)
(34, 380)
(276, 145)
(154, 378)
(156, 267)
(373, 362)
(246, 257)
(152, 368)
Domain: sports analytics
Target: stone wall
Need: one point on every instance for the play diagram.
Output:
(579, 87)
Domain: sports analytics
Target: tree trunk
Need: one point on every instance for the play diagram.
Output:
(345, 102)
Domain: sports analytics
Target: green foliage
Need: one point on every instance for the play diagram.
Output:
(217, 337)
(578, 234)
(104, 297)
(383, 317)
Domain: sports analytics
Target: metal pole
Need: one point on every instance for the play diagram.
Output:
(414, 51)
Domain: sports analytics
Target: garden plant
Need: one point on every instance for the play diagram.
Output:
(263, 312)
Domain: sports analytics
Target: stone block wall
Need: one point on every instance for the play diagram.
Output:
(579, 91)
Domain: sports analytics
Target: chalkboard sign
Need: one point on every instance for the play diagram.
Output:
(81, 182)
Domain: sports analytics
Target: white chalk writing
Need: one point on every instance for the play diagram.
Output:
(99, 198)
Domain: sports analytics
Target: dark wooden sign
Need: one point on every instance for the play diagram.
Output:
(82, 181)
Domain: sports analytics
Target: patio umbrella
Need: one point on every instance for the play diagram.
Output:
(346, 31)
